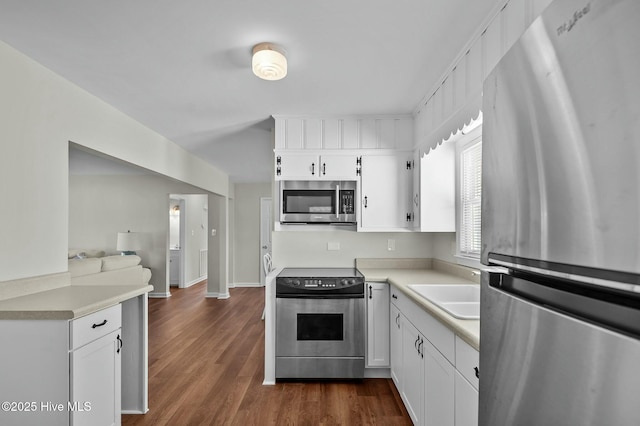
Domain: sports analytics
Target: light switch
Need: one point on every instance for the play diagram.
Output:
(333, 246)
(213, 232)
(391, 245)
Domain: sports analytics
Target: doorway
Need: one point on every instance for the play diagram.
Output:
(188, 241)
(176, 242)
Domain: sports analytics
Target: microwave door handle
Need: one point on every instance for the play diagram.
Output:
(337, 201)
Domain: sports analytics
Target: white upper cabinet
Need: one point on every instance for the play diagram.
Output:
(370, 132)
(386, 182)
(438, 190)
(416, 196)
(311, 166)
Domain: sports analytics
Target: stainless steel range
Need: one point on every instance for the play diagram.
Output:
(320, 323)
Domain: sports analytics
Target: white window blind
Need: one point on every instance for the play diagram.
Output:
(471, 191)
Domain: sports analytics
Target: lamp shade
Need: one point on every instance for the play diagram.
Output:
(128, 241)
(269, 62)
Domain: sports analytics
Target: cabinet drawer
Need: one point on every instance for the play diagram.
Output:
(397, 298)
(93, 326)
(467, 361)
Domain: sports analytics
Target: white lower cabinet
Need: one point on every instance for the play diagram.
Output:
(95, 382)
(467, 383)
(425, 361)
(395, 344)
(439, 388)
(466, 406)
(377, 295)
(62, 372)
(412, 378)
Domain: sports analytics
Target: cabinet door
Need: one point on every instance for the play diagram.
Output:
(377, 324)
(338, 167)
(297, 166)
(412, 372)
(384, 184)
(95, 380)
(415, 191)
(174, 268)
(395, 345)
(438, 190)
(439, 388)
(466, 404)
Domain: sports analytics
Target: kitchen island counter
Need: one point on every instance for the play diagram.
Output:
(68, 302)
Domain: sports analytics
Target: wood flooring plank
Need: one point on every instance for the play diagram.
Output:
(206, 366)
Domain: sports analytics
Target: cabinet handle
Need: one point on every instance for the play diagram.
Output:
(366, 202)
(420, 348)
(324, 168)
(99, 325)
(477, 370)
(394, 296)
(313, 168)
(398, 320)
(370, 292)
(119, 344)
(415, 344)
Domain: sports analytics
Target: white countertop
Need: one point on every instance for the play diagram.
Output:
(468, 330)
(68, 302)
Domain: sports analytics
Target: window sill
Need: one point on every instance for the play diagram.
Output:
(470, 262)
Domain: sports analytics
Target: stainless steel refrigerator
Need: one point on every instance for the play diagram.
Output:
(560, 319)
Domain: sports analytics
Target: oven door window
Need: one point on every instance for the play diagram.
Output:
(320, 327)
(308, 201)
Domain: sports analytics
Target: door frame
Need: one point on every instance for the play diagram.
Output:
(266, 219)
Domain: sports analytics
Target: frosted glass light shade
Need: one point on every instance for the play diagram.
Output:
(269, 62)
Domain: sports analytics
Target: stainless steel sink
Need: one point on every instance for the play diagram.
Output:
(460, 300)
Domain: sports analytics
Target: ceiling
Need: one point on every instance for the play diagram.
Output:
(183, 68)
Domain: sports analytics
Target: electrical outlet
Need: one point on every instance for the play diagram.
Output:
(391, 245)
(333, 246)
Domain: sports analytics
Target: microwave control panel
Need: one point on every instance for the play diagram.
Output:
(346, 201)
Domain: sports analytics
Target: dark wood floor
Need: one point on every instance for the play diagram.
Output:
(206, 366)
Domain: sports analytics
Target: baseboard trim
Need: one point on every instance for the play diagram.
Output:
(216, 295)
(132, 412)
(377, 373)
(159, 295)
(247, 285)
(196, 281)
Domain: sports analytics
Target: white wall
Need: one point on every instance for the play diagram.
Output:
(444, 246)
(246, 206)
(102, 206)
(309, 248)
(40, 113)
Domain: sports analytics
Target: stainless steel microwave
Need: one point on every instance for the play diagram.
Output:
(330, 202)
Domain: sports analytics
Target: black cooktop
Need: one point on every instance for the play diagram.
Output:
(320, 273)
(320, 282)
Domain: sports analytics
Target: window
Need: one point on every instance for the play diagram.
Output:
(470, 191)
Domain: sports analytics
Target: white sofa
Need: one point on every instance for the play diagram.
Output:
(93, 268)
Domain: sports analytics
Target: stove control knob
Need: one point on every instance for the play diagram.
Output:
(296, 283)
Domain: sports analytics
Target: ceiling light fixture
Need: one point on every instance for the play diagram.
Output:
(269, 62)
